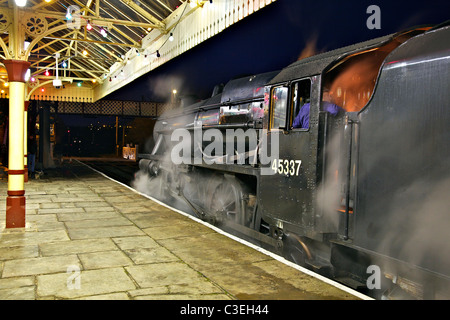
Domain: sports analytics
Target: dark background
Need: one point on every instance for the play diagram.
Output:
(274, 37)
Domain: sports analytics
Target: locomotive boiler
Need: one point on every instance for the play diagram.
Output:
(359, 196)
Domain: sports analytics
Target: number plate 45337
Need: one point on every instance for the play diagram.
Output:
(286, 167)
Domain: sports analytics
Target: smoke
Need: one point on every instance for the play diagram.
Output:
(418, 231)
(161, 178)
(328, 200)
(144, 184)
(163, 86)
(150, 185)
(403, 187)
(310, 48)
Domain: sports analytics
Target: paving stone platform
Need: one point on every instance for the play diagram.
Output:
(87, 237)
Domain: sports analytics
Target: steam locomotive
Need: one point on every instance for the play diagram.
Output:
(360, 196)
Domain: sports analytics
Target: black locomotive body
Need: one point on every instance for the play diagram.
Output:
(360, 195)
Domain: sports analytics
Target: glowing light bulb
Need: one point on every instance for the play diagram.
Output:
(85, 53)
(47, 73)
(68, 16)
(89, 26)
(171, 37)
(21, 3)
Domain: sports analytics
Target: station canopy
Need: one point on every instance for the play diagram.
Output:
(102, 45)
(108, 29)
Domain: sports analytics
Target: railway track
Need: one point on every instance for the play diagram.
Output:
(120, 170)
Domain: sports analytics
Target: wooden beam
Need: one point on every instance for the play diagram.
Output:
(50, 43)
(130, 45)
(67, 69)
(131, 4)
(103, 21)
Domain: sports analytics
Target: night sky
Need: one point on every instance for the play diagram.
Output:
(274, 37)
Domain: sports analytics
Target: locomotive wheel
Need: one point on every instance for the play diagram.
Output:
(226, 201)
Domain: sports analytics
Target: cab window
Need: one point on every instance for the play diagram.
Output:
(300, 100)
(279, 103)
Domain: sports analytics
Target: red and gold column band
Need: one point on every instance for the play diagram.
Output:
(16, 171)
(16, 193)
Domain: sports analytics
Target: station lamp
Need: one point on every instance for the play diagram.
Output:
(21, 3)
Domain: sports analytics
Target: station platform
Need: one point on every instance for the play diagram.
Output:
(89, 237)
